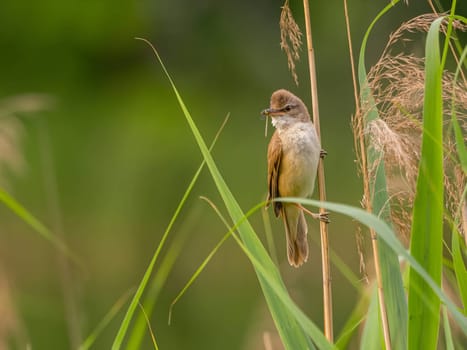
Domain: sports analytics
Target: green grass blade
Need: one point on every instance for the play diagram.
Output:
(345, 270)
(356, 317)
(139, 329)
(354, 321)
(288, 319)
(459, 266)
(90, 340)
(385, 233)
(153, 337)
(269, 236)
(277, 287)
(37, 226)
(147, 274)
(427, 223)
(447, 331)
(142, 286)
(204, 263)
(393, 288)
(372, 337)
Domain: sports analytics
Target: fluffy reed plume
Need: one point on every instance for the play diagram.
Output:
(11, 129)
(291, 38)
(397, 85)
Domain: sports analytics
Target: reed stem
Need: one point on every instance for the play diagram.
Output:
(360, 146)
(326, 265)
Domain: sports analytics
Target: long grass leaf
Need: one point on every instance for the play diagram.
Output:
(153, 337)
(37, 226)
(386, 233)
(427, 223)
(160, 276)
(142, 286)
(393, 290)
(203, 264)
(269, 236)
(139, 328)
(447, 331)
(109, 316)
(371, 336)
(356, 318)
(308, 326)
(285, 316)
(459, 267)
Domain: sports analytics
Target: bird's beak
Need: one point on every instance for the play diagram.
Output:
(271, 112)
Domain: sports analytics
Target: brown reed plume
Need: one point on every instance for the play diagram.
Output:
(397, 85)
(12, 130)
(291, 38)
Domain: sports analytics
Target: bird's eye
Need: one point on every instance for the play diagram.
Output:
(287, 108)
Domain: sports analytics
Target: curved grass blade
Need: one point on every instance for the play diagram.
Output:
(140, 326)
(269, 236)
(385, 233)
(427, 223)
(203, 264)
(459, 267)
(371, 336)
(356, 318)
(286, 317)
(309, 327)
(352, 324)
(447, 331)
(141, 287)
(343, 268)
(109, 316)
(37, 226)
(136, 335)
(153, 338)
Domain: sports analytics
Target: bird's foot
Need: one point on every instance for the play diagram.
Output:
(324, 216)
(323, 154)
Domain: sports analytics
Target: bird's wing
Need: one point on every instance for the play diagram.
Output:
(274, 161)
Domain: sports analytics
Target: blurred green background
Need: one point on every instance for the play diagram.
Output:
(115, 146)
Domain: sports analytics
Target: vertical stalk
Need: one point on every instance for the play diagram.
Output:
(327, 292)
(360, 145)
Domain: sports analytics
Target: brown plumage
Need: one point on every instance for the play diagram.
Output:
(293, 156)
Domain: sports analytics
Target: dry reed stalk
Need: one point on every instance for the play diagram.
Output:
(361, 155)
(326, 265)
(290, 32)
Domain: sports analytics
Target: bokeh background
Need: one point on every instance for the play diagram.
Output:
(96, 147)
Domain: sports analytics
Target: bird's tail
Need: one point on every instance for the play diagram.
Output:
(296, 230)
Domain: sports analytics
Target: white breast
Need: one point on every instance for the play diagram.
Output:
(300, 156)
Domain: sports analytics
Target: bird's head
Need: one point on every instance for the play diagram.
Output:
(285, 105)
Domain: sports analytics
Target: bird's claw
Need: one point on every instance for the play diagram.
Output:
(323, 153)
(324, 217)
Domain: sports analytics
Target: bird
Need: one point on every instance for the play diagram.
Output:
(293, 155)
